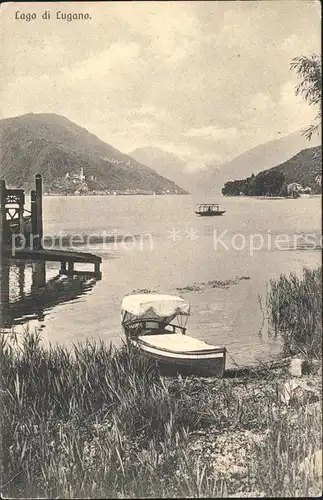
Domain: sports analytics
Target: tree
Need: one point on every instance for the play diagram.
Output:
(309, 70)
(259, 184)
(273, 182)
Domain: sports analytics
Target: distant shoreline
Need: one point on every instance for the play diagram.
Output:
(117, 194)
(317, 195)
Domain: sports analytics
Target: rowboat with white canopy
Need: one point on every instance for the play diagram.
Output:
(156, 325)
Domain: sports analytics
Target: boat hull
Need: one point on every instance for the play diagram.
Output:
(211, 214)
(204, 363)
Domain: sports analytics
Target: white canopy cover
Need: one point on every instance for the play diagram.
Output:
(155, 305)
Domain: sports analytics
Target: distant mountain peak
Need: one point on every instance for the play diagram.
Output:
(165, 163)
(256, 159)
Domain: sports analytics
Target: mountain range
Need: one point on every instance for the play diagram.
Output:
(71, 159)
(255, 160)
(74, 161)
(211, 179)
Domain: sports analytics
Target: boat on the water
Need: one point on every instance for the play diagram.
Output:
(155, 324)
(209, 210)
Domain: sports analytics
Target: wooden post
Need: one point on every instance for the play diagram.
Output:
(70, 267)
(3, 219)
(39, 205)
(63, 267)
(97, 268)
(39, 274)
(21, 216)
(33, 241)
(4, 281)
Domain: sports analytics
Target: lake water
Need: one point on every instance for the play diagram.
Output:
(171, 250)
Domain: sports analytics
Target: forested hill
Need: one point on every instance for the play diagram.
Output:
(70, 158)
(303, 168)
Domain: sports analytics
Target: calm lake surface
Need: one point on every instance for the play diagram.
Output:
(171, 250)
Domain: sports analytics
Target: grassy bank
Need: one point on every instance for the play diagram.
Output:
(98, 422)
(295, 312)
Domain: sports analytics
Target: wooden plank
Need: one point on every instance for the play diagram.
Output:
(85, 274)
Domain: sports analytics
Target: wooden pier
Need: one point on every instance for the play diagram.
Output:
(66, 258)
(21, 232)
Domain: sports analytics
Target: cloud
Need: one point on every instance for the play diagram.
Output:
(118, 58)
(262, 102)
(179, 149)
(151, 112)
(213, 133)
(143, 125)
(193, 166)
(296, 110)
(146, 110)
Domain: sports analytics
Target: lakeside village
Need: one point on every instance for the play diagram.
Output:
(79, 184)
(296, 190)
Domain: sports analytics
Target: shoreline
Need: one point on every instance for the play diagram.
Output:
(111, 194)
(317, 195)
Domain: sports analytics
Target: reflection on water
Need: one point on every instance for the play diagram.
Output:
(27, 295)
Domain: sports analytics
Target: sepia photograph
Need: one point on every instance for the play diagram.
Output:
(161, 249)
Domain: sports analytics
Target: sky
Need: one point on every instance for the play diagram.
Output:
(203, 80)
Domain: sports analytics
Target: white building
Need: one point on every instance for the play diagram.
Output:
(294, 187)
(82, 176)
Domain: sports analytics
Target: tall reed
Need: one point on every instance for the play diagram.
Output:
(295, 311)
